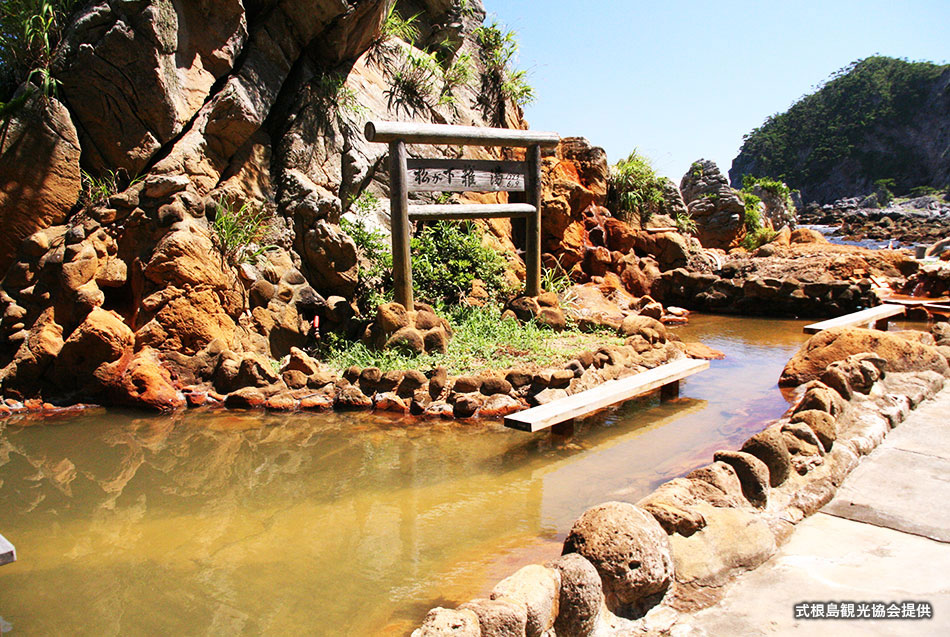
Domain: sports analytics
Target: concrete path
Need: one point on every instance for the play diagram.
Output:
(885, 538)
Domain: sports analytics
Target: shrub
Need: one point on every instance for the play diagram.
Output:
(753, 211)
(778, 189)
(634, 190)
(757, 238)
(447, 257)
(239, 232)
(882, 188)
(374, 272)
(923, 191)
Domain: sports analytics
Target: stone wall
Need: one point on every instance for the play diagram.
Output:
(629, 567)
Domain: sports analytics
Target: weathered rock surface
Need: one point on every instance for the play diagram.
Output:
(445, 622)
(581, 596)
(630, 551)
(501, 617)
(39, 173)
(538, 589)
(170, 102)
(901, 354)
(717, 209)
(799, 280)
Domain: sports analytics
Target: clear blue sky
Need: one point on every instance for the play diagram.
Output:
(683, 80)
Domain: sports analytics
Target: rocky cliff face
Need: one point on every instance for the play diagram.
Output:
(194, 110)
(881, 118)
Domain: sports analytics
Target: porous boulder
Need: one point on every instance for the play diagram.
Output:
(769, 447)
(753, 475)
(499, 617)
(538, 588)
(828, 346)
(418, 331)
(630, 551)
(821, 423)
(544, 309)
(446, 622)
(582, 596)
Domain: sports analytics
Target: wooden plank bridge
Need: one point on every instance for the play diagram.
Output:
(879, 316)
(666, 378)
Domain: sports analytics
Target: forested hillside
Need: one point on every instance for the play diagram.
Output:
(878, 119)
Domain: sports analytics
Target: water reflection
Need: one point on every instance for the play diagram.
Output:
(204, 523)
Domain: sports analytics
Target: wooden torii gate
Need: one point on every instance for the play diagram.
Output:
(462, 175)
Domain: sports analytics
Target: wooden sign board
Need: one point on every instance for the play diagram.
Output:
(465, 175)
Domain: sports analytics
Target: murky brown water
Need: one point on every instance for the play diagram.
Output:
(224, 523)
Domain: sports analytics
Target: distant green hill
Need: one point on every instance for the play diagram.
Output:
(879, 118)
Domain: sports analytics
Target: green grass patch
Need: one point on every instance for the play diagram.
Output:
(482, 340)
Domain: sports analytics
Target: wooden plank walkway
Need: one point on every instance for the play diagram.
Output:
(877, 315)
(7, 552)
(665, 377)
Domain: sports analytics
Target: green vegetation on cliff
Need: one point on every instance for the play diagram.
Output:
(634, 190)
(29, 33)
(858, 128)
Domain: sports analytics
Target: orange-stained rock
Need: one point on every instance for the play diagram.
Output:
(317, 402)
(593, 305)
(499, 406)
(806, 235)
(245, 398)
(187, 323)
(35, 354)
(389, 401)
(620, 236)
(144, 383)
(186, 256)
(783, 237)
(703, 351)
(282, 402)
(100, 339)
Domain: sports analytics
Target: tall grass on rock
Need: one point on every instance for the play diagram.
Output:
(239, 231)
(30, 30)
(634, 190)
